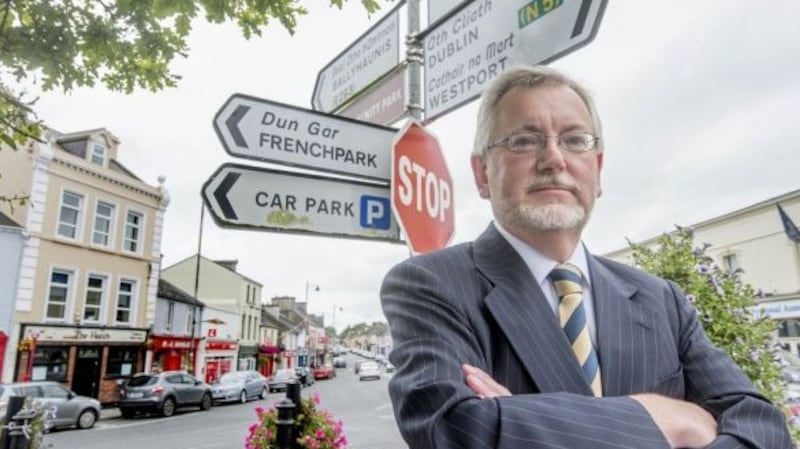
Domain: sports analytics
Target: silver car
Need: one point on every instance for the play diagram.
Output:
(281, 379)
(70, 409)
(162, 393)
(239, 386)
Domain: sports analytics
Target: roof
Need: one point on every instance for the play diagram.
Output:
(168, 291)
(6, 221)
(719, 218)
(216, 262)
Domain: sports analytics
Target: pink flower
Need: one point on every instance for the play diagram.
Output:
(316, 398)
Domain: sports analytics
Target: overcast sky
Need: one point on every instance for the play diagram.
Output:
(700, 103)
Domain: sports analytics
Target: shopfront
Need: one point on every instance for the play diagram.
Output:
(248, 356)
(267, 359)
(172, 353)
(89, 360)
(786, 312)
(219, 358)
(3, 343)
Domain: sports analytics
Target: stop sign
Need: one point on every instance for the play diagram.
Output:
(422, 189)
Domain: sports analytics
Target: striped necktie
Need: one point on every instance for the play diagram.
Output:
(572, 317)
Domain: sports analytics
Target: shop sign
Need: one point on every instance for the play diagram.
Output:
(777, 309)
(170, 343)
(44, 334)
(221, 345)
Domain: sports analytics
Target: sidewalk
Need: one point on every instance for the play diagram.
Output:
(109, 413)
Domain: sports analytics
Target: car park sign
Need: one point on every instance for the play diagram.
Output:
(472, 45)
(244, 197)
(264, 130)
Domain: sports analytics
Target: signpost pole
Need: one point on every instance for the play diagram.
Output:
(414, 55)
(192, 345)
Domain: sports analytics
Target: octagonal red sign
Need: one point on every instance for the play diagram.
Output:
(422, 189)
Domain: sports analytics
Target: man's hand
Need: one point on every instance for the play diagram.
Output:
(685, 425)
(482, 384)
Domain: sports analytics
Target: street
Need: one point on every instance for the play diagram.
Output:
(363, 407)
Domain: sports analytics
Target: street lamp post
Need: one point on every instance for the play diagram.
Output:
(308, 327)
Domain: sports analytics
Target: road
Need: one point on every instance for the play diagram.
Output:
(363, 407)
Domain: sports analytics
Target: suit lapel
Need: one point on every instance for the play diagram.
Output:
(518, 305)
(624, 329)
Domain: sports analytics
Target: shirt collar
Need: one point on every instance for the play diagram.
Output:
(539, 264)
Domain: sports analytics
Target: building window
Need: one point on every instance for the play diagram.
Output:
(60, 286)
(133, 232)
(103, 224)
(730, 262)
(125, 301)
(70, 215)
(99, 154)
(170, 315)
(50, 363)
(121, 361)
(189, 316)
(789, 328)
(95, 293)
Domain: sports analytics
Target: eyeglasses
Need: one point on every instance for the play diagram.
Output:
(531, 142)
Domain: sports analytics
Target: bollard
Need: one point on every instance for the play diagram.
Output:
(14, 436)
(293, 393)
(285, 434)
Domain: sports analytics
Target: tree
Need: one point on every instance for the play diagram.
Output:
(122, 44)
(724, 305)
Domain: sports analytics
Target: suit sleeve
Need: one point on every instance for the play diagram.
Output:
(435, 409)
(746, 420)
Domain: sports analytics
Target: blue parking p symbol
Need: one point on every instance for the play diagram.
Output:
(375, 212)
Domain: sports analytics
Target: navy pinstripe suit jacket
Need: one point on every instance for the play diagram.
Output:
(478, 303)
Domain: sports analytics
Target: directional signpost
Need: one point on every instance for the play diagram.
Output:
(254, 128)
(374, 54)
(422, 189)
(255, 198)
(466, 51)
(382, 104)
(439, 8)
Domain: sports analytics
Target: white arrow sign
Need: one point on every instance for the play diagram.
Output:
(254, 128)
(469, 49)
(239, 196)
(374, 54)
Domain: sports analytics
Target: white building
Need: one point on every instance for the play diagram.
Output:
(763, 243)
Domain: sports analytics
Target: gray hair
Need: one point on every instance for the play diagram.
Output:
(526, 76)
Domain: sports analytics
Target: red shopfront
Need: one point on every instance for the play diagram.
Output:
(173, 353)
(3, 343)
(220, 358)
(267, 356)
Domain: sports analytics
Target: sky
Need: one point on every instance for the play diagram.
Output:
(700, 102)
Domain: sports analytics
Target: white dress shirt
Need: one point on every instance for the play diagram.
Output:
(541, 266)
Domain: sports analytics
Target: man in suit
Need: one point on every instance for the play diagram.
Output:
(523, 339)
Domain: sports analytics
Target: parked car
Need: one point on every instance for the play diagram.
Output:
(339, 362)
(70, 409)
(163, 393)
(369, 370)
(281, 379)
(239, 386)
(304, 375)
(324, 372)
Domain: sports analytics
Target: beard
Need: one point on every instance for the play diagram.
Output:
(550, 217)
